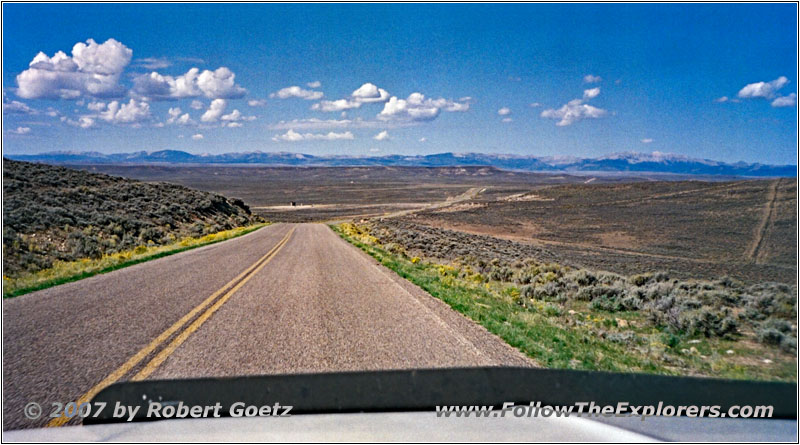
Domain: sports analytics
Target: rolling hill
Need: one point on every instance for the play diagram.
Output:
(55, 213)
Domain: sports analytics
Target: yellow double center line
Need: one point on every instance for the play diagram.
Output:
(233, 286)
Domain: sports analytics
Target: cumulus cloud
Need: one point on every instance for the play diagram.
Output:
(85, 122)
(576, 110)
(197, 105)
(295, 91)
(314, 84)
(366, 93)
(336, 105)
(197, 136)
(507, 119)
(96, 105)
(572, 112)
(408, 110)
(647, 141)
(418, 108)
(214, 111)
(217, 84)
(93, 70)
(591, 93)
(766, 90)
(234, 124)
(589, 78)
(382, 136)
(257, 102)
(535, 104)
(293, 136)
(724, 99)
(125, 113)
(178, 117)
(504, 111)
(236, 116)
(15, 106)
(785, 101)
(21, 130)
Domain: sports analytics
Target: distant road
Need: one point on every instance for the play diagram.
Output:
(283, 299)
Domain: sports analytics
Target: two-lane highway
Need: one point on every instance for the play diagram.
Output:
(283, 299)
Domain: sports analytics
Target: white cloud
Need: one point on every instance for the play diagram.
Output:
(214, 111)
(572, 112)
(764, 90)
(369, 93)
(319, 124)
(535, 104)
(233, 124)
(507, 119)
(382, 136)
(336, 105)
(15, 106)
(93, 70)
(408, 110)
(724, 99)
(417, 108)
(257, 102)
(423, 139)
(374, 150)
(234, 115)
(176, 116)
(785, 101)
(504, 111)
(589, 78)
(96, 105)
(85, 122)
(591, 93)
(122, 113)
(311, 124)
(314, 84)
(366, 93)
(217, 84)
(153, 63)
(197, 136)
(220, 83)
(576, 109)
(295, 91)
(197, 105)
(647, 141)
(21, 130)
(293, 136)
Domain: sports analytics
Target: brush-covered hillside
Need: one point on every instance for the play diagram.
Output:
(53, 213)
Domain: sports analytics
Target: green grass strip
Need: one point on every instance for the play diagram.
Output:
(540, 331)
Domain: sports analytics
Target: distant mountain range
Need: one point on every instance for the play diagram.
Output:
(655, 162)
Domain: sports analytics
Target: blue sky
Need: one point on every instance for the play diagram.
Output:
(711, 81)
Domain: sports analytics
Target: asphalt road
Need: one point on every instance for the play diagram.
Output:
(283, 299)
